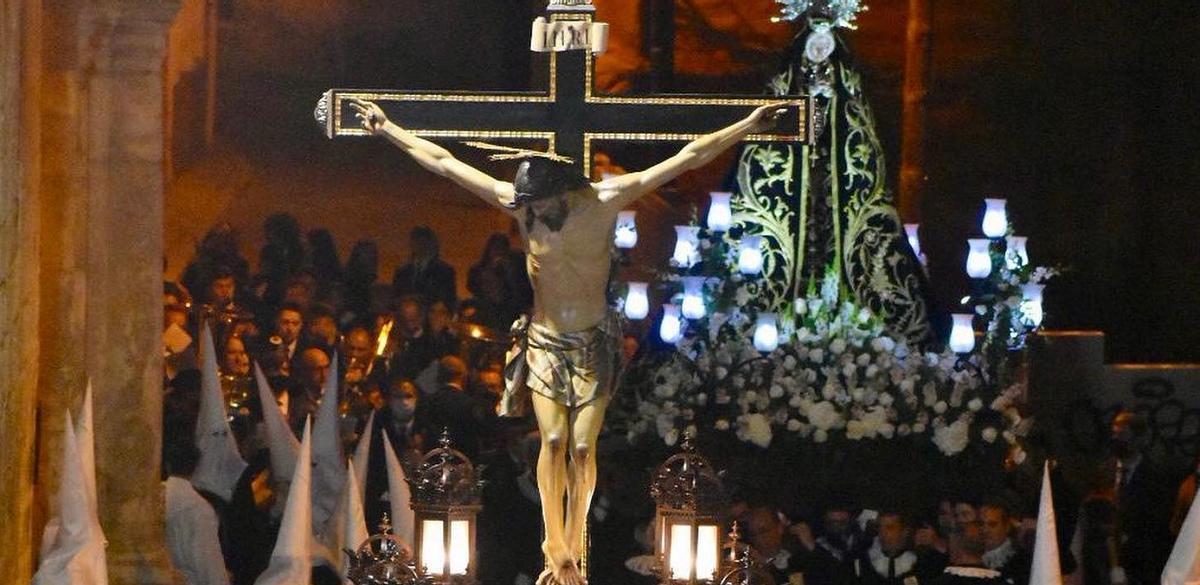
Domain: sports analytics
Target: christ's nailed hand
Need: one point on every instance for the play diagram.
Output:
(765, 117)
(370, 115)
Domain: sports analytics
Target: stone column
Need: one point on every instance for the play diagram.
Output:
(19, 221)
(125, 144)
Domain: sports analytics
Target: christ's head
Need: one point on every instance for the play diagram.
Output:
(543, 184)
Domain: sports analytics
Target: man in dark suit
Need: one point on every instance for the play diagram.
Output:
(426, 275)
(414, 347)
(1143, 501)
(1002, 552)
(891, 560)
(966, 547)
(452, 408)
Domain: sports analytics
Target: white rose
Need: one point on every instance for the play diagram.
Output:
(918, 428)
(855, 430)
(817, 355)
(848, 371)
(750, 396)
(940, 407)
(887, 430)
(756, 429)
(870, 397)
(863, 360)
(701, 399)
(975, 405)
(857, 394)
(671, 438)
(837, 346)
(722, 424)
(903, 430)
(665, 424)
(721, 372)
(793, 425)
(789, 363)
(886, 399)
(953, 438)
(820, 436)
(762, 402)
(872, 371)
(824, 415)
(907, 385)
(776, 391)
(989, 435)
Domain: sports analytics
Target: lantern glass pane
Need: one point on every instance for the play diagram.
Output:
(460, 546)
(433, 546)
(680, 558)
(707, 552)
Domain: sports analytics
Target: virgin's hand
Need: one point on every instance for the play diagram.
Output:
(370, 115)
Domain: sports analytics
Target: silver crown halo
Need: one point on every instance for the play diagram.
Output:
(832, 13)
(383, 560)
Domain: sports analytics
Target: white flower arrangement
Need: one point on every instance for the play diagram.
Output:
(837, 373)
(852, 381)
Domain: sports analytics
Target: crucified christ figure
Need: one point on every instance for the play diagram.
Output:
(567, 358)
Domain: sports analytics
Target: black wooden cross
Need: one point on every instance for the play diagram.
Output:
(569, 116)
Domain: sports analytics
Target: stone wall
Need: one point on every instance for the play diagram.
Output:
(98, 312)
(19, 59)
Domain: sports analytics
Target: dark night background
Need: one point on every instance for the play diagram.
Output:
(1082, 114)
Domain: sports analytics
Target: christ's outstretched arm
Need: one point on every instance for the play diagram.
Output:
(627, 188)
(433, 157)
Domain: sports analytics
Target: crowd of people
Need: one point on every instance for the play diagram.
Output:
(423, 362)
(409, 350)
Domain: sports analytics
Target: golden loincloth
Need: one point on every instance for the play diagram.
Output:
(571, 369)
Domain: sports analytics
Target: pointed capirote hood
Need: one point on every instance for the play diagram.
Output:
(292, 558)
(329, 461)
(362, 456)
(399, 495)
(76, 556)
(347, 527)
(1046, 569)
(281, 442)
(1183, 566)
(221, 464)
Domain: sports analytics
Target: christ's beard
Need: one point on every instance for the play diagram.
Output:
(554, 220)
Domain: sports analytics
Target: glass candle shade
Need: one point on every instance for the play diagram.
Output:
(1016, 255)
(687, 246)
(693, 297)
(979, 258)
(626, 236)
(750, 256)
(637, 301)
(720, 214)
(671, 328)
(766, 332)
(962, 334)
(995, 218)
